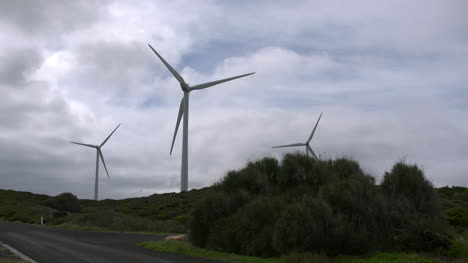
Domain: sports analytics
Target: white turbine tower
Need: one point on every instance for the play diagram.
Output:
(98, 154)
(184, 111)
(306, 144)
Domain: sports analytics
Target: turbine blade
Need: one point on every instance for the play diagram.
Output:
(312, 151)
(102, 144)
(315, 127)
(103, 162)
(179, 117)
(209, 84)
(290, 145)
(174, 73)
(84, 144)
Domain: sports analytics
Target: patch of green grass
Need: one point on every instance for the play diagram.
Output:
(381, 257)
(184, 247)
(68, 226)
(305, 258)
(78, 227)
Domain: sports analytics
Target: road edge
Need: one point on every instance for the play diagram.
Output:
(16, 252)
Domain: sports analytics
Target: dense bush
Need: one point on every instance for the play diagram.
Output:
(318, 206)
(215, 205)
(408, 182)
(458, 216)
(65, 202)
(249, 230)
(304, 226)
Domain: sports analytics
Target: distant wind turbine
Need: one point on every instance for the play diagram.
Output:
(306, 144)
(184, 111)
(98, 154)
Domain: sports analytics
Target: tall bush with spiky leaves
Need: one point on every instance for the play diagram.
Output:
(408, 182)
(320, 206)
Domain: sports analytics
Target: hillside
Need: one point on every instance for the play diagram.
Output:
(168, 212)
(156, 213)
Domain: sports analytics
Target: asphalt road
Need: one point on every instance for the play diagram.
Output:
(44, 244)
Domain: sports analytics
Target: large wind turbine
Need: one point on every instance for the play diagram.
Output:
(98, 154)
(306, 144)
(184, 111)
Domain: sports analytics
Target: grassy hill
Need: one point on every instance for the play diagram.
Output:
(166, 213)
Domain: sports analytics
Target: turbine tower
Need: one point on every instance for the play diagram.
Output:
(306, 144)
(184, 111)
(98, 154)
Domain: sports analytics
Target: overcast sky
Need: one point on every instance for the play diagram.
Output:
(389, 76)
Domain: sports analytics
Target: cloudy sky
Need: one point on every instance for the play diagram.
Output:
(389, 76)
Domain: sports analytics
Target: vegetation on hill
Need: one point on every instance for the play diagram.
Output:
(320, 206)
(455, 205)
(159, 213)
(66, 202)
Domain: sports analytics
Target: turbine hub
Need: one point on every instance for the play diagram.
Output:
(185, 86)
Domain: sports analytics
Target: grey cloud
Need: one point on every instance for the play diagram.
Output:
(35, 107)
(393, 28)
(17, 64)
(119, 67)
(50, 17)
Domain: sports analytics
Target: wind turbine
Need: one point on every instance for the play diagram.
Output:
(98, 154)
(184, 111)
(306, 144)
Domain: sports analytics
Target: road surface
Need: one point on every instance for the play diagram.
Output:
(44, 244)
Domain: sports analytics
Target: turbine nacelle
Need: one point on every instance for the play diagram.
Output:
(185, 87)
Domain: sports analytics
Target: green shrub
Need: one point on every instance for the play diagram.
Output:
(320, 206)
(214, 206)
(457, 216)
(294, 170)
(345, 168)
(250, 229)
(268, 166)
(303, 226)
(250, 180)
(64, 202)
(458, 250)
(408, 181)
(257, 178)
(43, 211)
(58, 214)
